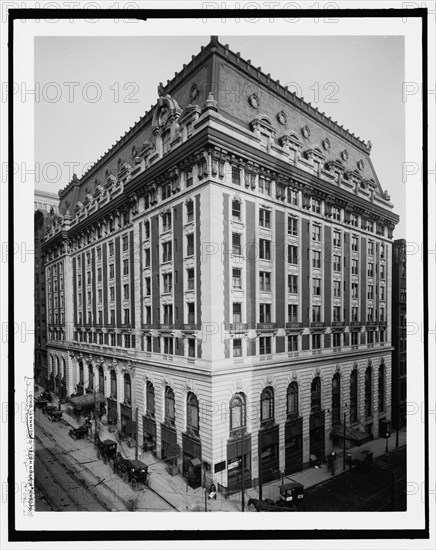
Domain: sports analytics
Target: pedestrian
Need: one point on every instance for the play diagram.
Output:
(331, 461)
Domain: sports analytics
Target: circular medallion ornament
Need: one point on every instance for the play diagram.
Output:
(253, 100)
(282, 118)
(344, 154)
(326, 144)
(305, 131)
(194, 92)
(360, 164)
(163, 115)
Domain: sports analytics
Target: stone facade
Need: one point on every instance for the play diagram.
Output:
(227, 273)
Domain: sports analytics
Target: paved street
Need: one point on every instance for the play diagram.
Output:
(69, 477)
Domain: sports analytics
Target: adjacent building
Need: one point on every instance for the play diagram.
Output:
(226, 270)
(45, 201)
(399, 334)
(44, 204)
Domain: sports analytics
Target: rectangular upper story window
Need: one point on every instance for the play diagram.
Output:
(236, 210)
(265, 281)
(264, 249)
(316, 233)
(336, 263)
(354, 290)
(265, 218)
(292, 254)
(236, 278)
(354, 243)
(316, 258)
(370, 292)
(337, 289)
(237, 312)
(355, 267)
(125, 267)
(316, 341)
(167, 252)
(265, 313)
(147, 257)
(189, 178)
(292, 226)
(355, 314)
(292, 284)
(190, 211)
(370, 269)
(316, 206)
(125, 240)
(292, 197)
(166, 221)
(336, 313)
(316, 287)
(316, 314)
(236, 175)
(265, 345)
(191, 278)
(382, 271)
(236, 244)
(337, 238)
(292, 313)
(371, 248)
(166, 191)
(336, 213)
(167, 282)
(237, 347)
(264, 186)
(293, 342)
(190, 244)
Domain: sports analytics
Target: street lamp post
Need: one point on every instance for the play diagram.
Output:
(344, 444)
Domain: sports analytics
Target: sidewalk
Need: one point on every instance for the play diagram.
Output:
(174, 489)
(312, 476)
(185, 499)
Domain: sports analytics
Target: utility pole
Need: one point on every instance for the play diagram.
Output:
(345, 418)
(260, 469)
(243, 472)
(95, 414)
(137, 434)
(60, 394)
(205, 490)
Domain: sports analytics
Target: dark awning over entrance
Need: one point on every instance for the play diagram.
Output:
(86, 401)
(355, 436)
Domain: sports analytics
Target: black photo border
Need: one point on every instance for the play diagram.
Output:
(15, 535)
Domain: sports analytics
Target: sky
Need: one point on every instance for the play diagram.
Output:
(93, 89)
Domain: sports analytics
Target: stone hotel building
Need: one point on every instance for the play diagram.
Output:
(225, 270)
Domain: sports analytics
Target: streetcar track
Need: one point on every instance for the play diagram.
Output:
(100, 481)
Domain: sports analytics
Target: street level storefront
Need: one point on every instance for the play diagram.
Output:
(269, 453)
(168, 440)
(317, 435)
(191, 449)
(86, 403)
(294, 446)
(149, 437)
(236, 448)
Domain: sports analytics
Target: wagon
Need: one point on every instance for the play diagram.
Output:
(106, 450)
(291, 494)
(41, 403)
(121, 466)
(54, 415)
(80, 432)
(138, 473)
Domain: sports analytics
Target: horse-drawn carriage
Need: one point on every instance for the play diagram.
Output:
(134, 472)
(106, 450)
(53, 414)
(80, 432)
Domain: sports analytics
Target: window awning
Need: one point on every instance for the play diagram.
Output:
(83, 401)
(355, 436)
